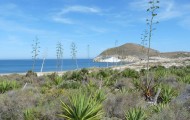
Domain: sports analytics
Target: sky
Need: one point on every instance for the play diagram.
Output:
(97, 23)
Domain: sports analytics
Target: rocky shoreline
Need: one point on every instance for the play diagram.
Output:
(155, 61)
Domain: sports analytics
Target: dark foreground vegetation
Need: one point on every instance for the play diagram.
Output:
(96, 94)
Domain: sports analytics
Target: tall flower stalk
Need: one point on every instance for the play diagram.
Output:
(35, 51)
(59, 56)
(73, 53)
(150, 23)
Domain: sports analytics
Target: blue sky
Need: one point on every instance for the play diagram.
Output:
(98, 23)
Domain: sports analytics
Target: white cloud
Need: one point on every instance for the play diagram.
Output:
(80, 9)
(61, 16)
(169, 9)
(61, 19)
(98, 29)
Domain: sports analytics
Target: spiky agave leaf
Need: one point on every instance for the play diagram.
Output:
(81, 107)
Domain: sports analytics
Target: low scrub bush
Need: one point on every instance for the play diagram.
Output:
(70, 84)
(157, 68)
(115, 105)
(30, 73)
(173, 112)
(52, 76)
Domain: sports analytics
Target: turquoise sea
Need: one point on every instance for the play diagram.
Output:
(20, 66)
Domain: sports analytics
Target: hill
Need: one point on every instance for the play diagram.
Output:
(129, 49)
(136, 52)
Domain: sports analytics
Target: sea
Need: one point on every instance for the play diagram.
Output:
(22, 66)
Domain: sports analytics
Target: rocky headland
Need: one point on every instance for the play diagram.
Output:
(134, 56)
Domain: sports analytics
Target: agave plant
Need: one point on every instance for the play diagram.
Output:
(82, 107)
(58, 80)
(130, 73)
(7, 85)
(135, 114)
(167, 93)
(29, 114)
(159, 107)
(185, 79)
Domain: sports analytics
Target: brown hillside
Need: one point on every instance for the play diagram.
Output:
(129, 49)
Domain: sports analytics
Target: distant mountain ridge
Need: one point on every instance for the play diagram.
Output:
(138, 51)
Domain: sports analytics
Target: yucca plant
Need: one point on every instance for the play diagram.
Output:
(160, 74)
(58, 80)
(29, 114)
(99, 96)
(185, 79)
(81, 107)
(135, 114)
(159, 107)
(153, 7)
(8, 85)
(167, 93)
(177, 71)
(130, 73)
(4, 86)
(137, 83)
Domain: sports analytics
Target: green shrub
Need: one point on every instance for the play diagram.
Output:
(159, 107)
(135, 114)
(84, 71)
(99, 96)
(70, 84)
(81, 107)
(158, 74)
(185, 79)
(58, 80)
(177, 71)
(30, 73)
(157, 68)
(109, 81)
(76, 76)
(143, 72)
(52, 76)
(167, 93)
(29, 114)
(130, 73)
(103, 73)
(8, 85)
(137, 84)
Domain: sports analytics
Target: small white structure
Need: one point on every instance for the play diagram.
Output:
(110, 59)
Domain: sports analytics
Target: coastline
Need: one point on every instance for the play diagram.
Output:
(137, 65)
(38, 73)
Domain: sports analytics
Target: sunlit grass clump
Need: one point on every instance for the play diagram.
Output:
(8, 85)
